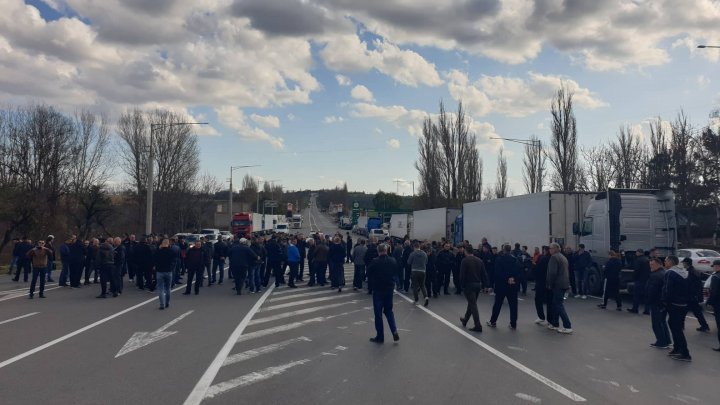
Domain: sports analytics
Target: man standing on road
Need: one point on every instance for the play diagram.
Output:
(65, 263)
(714, 297)
(641, 273)
(219, 253)
(144, 262)
(241, 258)
(473, 278)
(695, 296)
(106, 263)
(370, 254)
(336, 258)
(15, 257)
(119, 258)
(444, 264)
(507, 273)
(418, 262)
(320, 261)
(302, 246)
(675, 298)
(194, 262)
(582, 262)
(293, 259)
(208, 253)
(543, 296)
(358, 258)
(658, 312)
(380, 273)
(274, 257)
(558, 281)
(39, 257)
(23, 263)
(348, 248)
(49, 244)
(407, 250)
(77, 258)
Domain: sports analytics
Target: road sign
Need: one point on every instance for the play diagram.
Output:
(356, 205)
(270, 204)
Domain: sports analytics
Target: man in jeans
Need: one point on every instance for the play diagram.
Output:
(39, 256)
(658, 313)
(418, 263)
(558, 281)
(15, 256)
(582, 262)
(381, 271)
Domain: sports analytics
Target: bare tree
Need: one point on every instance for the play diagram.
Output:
(501, 186)
(627, 157)
(564, 141)
(489, 193)
(534, 163)
(708, 155)
(599, 171)
(658, 165)
(428, 165)
(685, 170)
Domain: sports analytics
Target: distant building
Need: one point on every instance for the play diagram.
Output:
(222, 215)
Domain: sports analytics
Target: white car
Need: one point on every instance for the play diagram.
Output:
(702, 258)
(378, 234)
(282, 227)
(226, 235)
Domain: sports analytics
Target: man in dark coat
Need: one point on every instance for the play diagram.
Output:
(641, 273)
(507, 273)
(444, 265)
(380, 274)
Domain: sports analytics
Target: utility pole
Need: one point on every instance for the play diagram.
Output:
(151, 170)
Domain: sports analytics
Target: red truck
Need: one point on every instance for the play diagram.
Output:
(246, 223)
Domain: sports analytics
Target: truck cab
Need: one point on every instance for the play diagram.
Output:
(627, 220)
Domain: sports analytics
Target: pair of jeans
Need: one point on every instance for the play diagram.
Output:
(472, 291)
(13, 263)
(580, 281)
(543, 302)
(218, 265)
(511, 294)
(418, 284)
(64, 273)
(558, 301)
(164, 279)
(359, 276)
(50, 268)
(293, 272)
(383, 304)
(658, 319)
(38, 272)
(255, 278)
(676, 322)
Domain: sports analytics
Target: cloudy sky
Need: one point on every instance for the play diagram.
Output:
(324, 91)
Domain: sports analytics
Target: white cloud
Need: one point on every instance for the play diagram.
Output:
(513, 96)
(397, 115)
(233, 117)
(332, 119)
(267, 121)
(343, 80)
(702, 80)
(393, 143)
(348, 54)
(291, 117)
(362, 93)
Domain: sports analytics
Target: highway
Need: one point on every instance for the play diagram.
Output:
(310, 346)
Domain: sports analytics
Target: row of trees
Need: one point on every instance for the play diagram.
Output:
(677, 155)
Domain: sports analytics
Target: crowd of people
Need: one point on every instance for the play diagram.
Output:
(667, 289)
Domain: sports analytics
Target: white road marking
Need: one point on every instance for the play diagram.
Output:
(24, 294)
(251, 378)
(19, 317)
(307, 294)
(299, 312)
(142, 339)
(252, 353)
(303, 302)
(77, 332)
(294, 325)
(24, 288)
(529, 398)
(613, 383)
(548, 382)
(202, 386)
(296, 290)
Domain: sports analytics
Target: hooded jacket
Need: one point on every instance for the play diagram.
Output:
(675, 290)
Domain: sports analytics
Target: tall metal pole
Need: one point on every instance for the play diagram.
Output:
(150, 185)
(230, 206)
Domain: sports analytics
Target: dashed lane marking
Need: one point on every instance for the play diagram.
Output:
(299, 312)
(306, 294)
(252, 353)
(19, 317)
(302, 302)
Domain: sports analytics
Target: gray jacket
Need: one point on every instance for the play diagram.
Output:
(558, 275)
(358, 255)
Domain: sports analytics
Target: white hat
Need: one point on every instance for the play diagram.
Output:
(51, 237)
(243, 240)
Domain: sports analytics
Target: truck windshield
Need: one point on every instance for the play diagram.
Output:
(241, 222)
(282, 227)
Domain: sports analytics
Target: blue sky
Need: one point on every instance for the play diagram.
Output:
(267, 74)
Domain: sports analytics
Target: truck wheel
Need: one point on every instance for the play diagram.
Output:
(594, 281)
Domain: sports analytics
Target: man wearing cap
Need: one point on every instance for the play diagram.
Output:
(714, 297)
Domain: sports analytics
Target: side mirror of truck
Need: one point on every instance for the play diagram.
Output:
(576, 228)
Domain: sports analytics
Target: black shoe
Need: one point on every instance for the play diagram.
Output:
(658, 346)
(682, 358)
(618, 309)
(50, 280)
(161, 308)
(427, 301)
(30, 297)
(463, 321)
(197, 292)
(717, 349)
(63, 285)
(396, 337)
(376, 340)
(101, 296)
(513, 327)
(15, 279)
(490, 324)
(186, 293)
(673, 353)
(292, 286)
(646, 312)
(86, 283)
(435, 295)
(633, 311)
(601, 306)
(478, 328)
(339, 289)
(42, 296)
(703, 329)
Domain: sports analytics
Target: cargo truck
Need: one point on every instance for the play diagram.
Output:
(297, 221)
(399, 226)
(247, 224)
(434, 224)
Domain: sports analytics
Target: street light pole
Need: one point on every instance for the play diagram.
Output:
(151, 170)
(708, 46)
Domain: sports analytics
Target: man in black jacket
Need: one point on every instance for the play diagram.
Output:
(444, 265)
(302, 248)
(370, 255)
(695, 287)
(144, 261)
(77, 258)
(543, 296)
(658, 312)
(209, 253)
(194, 261)
(274, 259)
(241, 258)
(407, 249)
(23, 262)
(676, 297)
(714, 296)
(507, 273)
(641, 273)
(473, 278)
(219, 253)
(380, 274)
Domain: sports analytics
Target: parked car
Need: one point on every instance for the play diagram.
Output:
(226, 235)
(210, 231)
(702, 259)
(193, 237)
(212, 238)
(379, 234)
(282, 227)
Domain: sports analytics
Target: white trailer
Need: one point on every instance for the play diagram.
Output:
(399, 226)
(532, 220)
(434, 224)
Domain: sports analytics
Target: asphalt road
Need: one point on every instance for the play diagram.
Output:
(310, 346)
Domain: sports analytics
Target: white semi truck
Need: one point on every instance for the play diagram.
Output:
(434, 224)
(399, 225)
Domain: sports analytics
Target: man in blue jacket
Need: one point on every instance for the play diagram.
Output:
(293, 260)
(507, 273)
